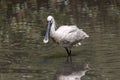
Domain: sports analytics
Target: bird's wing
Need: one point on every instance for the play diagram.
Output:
(74, 37)
(66, 29)
(70, 34)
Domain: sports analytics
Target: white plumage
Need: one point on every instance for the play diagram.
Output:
(66, 36)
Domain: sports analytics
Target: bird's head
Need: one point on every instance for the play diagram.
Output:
(50, 21)
(49, 18)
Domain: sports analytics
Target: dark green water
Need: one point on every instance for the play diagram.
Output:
(23, 56)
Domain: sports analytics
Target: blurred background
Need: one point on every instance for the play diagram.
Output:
(23, 56)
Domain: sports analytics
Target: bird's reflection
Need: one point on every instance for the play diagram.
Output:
(71, 71)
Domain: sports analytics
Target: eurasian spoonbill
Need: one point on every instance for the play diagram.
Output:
(66, 36)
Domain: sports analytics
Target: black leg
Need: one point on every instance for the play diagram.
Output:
(69, 54)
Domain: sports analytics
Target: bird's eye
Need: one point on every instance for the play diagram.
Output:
(51, 21)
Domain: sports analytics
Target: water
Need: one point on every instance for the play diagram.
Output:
(23, 56)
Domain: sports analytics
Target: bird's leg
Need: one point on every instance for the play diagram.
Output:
(69, 54)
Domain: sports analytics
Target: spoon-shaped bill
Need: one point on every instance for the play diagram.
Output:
(46, 38)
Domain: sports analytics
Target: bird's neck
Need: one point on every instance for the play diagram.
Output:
(53, 26)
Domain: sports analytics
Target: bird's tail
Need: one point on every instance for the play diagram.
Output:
(83, 34)
(87, 36)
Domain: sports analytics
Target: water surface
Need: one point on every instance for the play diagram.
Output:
(23, 56)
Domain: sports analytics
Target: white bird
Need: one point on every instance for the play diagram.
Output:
(66, 36)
